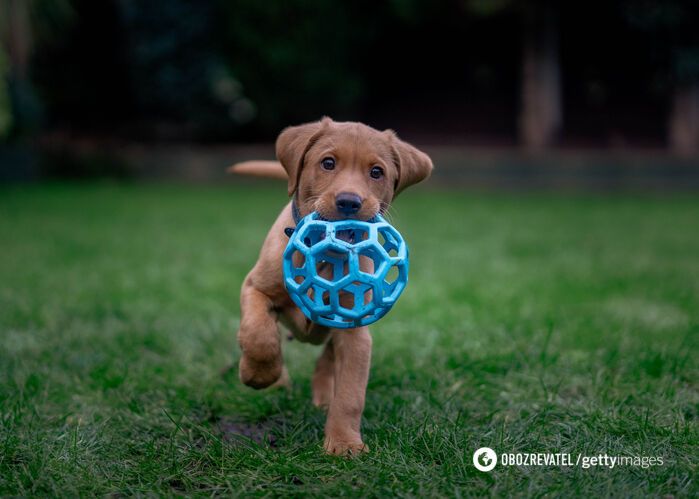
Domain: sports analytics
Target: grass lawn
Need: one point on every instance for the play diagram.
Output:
(532, 323)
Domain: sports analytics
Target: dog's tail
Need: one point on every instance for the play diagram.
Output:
(257, 168)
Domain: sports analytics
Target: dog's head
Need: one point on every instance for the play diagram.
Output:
(347, 170)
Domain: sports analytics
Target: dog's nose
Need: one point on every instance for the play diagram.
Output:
(348, 203)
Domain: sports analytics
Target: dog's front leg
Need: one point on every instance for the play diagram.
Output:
(352, 358)
(261, 362)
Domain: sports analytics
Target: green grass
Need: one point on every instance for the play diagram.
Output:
(532, 323)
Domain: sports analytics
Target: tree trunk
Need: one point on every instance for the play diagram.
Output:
(541, 113)
(19, 37)
(684, 120)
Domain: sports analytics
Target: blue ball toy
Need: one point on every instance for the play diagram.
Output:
(345, 273)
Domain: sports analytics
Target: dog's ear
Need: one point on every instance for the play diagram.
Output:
(293, 144)
(413, 165)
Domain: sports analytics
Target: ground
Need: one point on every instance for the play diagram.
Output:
(532, 323)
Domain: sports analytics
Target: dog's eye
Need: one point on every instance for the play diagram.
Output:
(376, 172)
(328, 164)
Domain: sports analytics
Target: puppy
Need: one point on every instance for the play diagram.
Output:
(341, 170)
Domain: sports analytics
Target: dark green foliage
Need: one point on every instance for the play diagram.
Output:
(243, 69)
(531, 323)
(170, 53)
(671, 27)
(301, 58)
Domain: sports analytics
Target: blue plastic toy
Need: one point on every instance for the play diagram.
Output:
(324, 276)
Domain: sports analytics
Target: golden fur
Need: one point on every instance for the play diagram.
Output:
(341, 374)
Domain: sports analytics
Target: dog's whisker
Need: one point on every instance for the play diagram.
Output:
(313, 202)
(389, 213)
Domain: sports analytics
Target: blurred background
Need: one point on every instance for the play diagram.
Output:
(502, 93)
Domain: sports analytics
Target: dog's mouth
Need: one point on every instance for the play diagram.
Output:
(351, 236)
(364, 215)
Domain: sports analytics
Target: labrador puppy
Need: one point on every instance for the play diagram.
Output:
(341, 170)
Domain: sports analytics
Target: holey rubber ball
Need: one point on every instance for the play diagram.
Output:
(345, 273)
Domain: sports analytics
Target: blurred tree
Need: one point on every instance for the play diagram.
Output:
(23, 24)
(5, 103)
(541, 115)
(672, 28)
(174, 66)
(541, 112)
(683, 133)
(242, 69)
(300, 59)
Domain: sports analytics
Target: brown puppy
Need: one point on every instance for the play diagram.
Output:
(341, 170)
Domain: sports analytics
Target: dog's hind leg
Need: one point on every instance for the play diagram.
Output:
(261, 362)
(324, 377)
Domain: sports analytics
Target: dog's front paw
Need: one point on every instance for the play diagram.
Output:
(284, 380)
(349, 448)
(259, 374)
